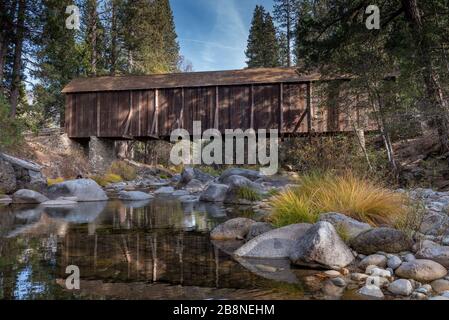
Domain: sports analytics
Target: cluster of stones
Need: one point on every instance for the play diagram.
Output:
(376, 262)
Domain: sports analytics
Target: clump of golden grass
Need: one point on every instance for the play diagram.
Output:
(106, 179)
(357, 197)
(123, 169)
(51, 182)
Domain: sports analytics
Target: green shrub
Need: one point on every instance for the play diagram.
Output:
(124, 170)
(10, 129)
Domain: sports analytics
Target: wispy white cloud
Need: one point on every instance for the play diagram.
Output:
(210, 43)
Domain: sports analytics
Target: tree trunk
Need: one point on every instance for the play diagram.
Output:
(289, 33)
(113, 39)
(17, 65)
(438, 110)
(93, 36)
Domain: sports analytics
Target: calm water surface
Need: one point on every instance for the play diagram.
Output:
(158, 249)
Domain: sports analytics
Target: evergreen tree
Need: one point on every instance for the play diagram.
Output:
(271, 45)
(285, 14)
(149, 37)
(283, 49)
(57, 62)
(262, 49)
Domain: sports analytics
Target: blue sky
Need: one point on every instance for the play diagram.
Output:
(213, 33)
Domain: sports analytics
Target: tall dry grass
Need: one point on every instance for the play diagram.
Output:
(357, 197)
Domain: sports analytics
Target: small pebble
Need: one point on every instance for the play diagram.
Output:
(339, 282)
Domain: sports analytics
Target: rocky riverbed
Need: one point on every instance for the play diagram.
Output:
(378, 263)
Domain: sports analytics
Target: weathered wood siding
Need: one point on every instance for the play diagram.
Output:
(157, 112)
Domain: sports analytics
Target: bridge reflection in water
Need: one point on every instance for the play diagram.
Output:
(151, 250)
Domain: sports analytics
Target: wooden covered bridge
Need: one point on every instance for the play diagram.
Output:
(151, 106)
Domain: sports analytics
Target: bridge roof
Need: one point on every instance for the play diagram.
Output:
(189, 79)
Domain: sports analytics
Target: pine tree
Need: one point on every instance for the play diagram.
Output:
(271, 46)
(149, 37)
(283, 49)
(58, 60)
(262, 49)
(254, 51)
(285, 14)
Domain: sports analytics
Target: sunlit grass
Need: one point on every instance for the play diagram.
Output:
(51, 182)
(247, 193)
(106, 179)
(357, 197)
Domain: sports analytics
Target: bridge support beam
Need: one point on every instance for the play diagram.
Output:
(101, 154)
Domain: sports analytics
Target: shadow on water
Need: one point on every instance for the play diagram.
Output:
(158, 249)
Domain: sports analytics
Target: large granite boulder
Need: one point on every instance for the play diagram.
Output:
(436, 253)
(349, 225)
(421, 270)
(381, 239)
(232, 229)
(277, 243)
(25, 196)
(257, 229)
(28, 174)
(321, 247)
(84, 189)
(8, 182)
(215, 192)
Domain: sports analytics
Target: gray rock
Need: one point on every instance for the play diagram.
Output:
(371, 291)
(359, 276)
(28, 197)
(339, 282)
(440, 285)
(25, 164)
(332, 273)
(381, 239)
(421, 270)
(257, 229)
(418, 296)
(409, 257)
(374, 259)
(445, 294)
(85, 190)
(394, 262)
(190, 173)
(214, 193)
(8, 183)
(164, 190)
(249, 174)
(321, 247)
(350, 226)
(401, 287)
(436, 253)
(236, 228)
(134, 195)
(194, 186)
(277, 243)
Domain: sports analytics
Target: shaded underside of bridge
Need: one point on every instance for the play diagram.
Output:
(148, 107)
